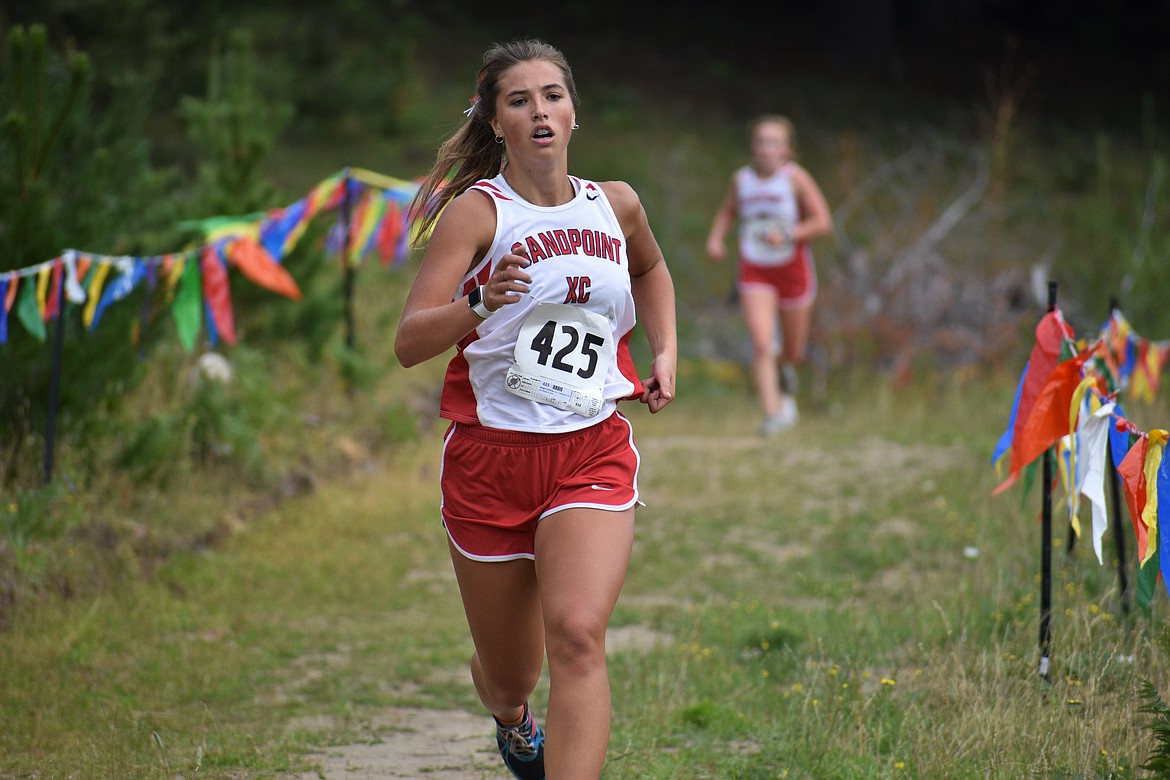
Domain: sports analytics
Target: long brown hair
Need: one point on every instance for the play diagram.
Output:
(472, 153)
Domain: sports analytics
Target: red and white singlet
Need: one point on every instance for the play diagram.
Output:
(557, 360)
(767, 210)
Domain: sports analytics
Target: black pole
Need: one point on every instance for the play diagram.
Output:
(55, 383)
(1115, 496)
(1046, 544)
(346, 266)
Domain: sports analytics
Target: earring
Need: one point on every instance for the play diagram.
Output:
(499, 139)
(575, 126)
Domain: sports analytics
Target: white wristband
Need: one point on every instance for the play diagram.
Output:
(475, 302)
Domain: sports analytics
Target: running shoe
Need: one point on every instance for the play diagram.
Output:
(522, 747)
(782, 420)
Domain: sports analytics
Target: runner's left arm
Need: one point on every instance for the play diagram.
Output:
(653, 291)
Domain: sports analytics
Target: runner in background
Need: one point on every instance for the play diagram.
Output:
(779, 209)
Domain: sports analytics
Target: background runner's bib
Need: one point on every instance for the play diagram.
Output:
(764, 239)
(556, 360)
(767, 209)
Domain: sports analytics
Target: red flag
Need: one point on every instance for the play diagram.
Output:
(1050, 334)
(217, 293)
(52, 303)
(1133, 479)
(389, 232)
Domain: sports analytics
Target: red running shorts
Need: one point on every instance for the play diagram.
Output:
(498, 485)
(794, 283)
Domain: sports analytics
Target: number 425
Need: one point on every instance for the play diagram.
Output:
(543, 345)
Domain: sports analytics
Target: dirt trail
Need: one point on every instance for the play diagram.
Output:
(416, 743)
(437, 744)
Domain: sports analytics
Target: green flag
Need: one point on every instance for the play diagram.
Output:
(188, 302)
(27, 309)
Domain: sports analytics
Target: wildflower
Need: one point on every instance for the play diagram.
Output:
(888, 681)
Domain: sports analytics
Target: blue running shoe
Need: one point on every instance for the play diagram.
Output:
(522, 747)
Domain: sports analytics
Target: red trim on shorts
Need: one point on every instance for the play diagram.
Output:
(628, 369)
(498, 485)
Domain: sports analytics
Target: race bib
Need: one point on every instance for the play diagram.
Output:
(765, 242)
(563, 356)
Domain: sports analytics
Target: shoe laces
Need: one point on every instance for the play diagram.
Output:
(522, 740)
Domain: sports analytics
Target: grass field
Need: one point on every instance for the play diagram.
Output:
(843, 601)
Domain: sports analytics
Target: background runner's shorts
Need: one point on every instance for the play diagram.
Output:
(497, 485)
(794, 282)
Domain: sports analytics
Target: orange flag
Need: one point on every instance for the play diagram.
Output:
(11, 297)
(1050, 420)
(257, 264)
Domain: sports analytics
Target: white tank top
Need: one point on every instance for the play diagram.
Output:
(767, 210)
(558, 359)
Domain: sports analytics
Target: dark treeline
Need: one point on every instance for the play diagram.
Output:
(1093, 60)
(1082, 58)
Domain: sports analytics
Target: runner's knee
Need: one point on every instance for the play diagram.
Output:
(508, 684)
(576, 642)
